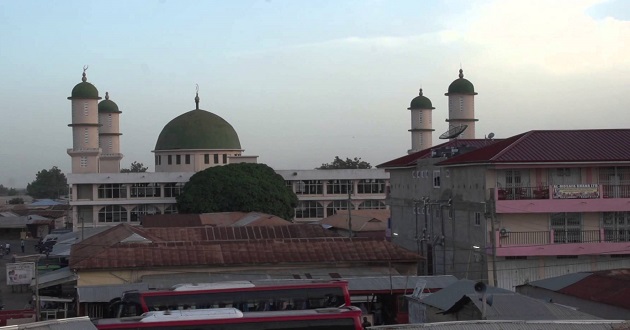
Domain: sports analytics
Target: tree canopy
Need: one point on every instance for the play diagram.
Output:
(4, 191)
(48, 184)
(134, 168)
(239, 187)
(338, 164)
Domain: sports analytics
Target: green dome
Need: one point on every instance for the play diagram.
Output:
(108, 106)
(198, 129)
(461, 85)
(421, 102)
(84, 90)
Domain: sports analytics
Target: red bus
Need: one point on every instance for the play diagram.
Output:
(247, 296)
(345, 318)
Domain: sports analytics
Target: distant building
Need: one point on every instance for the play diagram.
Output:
(191, 142)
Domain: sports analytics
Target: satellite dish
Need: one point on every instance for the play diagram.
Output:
(453, 132)
(480, 287)
(490, 136)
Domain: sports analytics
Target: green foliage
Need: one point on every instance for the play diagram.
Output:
(16, 200)
(238, 187)
(4, 191)
(13, 192)
(48, 184)
(136, 167)
(338, 164)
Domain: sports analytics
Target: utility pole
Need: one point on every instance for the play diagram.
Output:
(493, 237)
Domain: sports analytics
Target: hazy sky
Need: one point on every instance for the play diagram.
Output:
(305, 81)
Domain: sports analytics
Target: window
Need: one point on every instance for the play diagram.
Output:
(158, 160)
(206, 159)
(372, 204)
(178, 159)
(338, 187)
(141, 210)
(187, 159)
(436, 178)
(477, 219)
(112, 213)
(309, 187)
(461, 103)
(567, 227)
(110, 144)
(420, 117)
(224, 158)
(216, 158)
(309, 210)
(109, 120)
(371, 186)
(336, 205)
(616, 226)
(85, 109)
(173, 189)
(142, 190)
(86, 135)
(170, 159)
(84, 161)
(171, 209)
(114, 190)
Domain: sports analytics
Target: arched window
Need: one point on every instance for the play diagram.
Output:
(140, 210)
(372, 204)
(112, 213)
(336, 205)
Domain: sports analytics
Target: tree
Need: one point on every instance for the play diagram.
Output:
(339, 163)
(238, 187)
(16, 200)
(48, 184)
(135, 168)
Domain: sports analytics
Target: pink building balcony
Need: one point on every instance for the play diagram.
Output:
(563, 198)
(562, 242)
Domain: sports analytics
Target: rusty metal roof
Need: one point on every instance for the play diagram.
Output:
(234, 219)
(196, 234)
(231, 253)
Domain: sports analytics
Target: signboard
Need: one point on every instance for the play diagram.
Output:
(20, 273)
(573, 191)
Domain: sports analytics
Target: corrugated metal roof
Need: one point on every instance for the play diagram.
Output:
(61, 275)
(198, 234)
(513, 325)
(448, 296)
(269, 252)
(399, 283)
(553, 146)
(611, 287)
(73, 323)
(514, 306)
(559, 282)
(411, 159)
(105, 293)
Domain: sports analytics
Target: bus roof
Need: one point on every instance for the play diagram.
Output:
(192, 314)
(212, 286)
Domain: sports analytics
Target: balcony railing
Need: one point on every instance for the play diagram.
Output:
(547, 192)
(563, 237)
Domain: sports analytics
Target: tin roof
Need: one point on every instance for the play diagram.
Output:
(234, 219)
(72, 323)
(196, 234)
(513, 325)
(552, 146)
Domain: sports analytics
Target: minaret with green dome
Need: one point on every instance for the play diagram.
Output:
(85, 150)
(421, 123)
(461, 105)
(109, 135)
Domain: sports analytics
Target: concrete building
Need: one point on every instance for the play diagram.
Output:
(191, 142)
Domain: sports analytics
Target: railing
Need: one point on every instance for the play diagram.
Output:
(563, 237)
(542, 192)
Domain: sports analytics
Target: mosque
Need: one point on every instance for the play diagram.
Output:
(191, 142)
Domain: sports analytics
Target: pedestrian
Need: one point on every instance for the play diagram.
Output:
(22, 245)
(366, 324)
(7, 248)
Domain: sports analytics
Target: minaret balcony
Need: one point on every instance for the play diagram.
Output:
(113, 156)
(84, 152)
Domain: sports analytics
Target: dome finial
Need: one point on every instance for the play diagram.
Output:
(107, 95)
(420, 91)
(197, 97)
(84, 78)
(461, 73)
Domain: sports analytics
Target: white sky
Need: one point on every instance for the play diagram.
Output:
(305, 81)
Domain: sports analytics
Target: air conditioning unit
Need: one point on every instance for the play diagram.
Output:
(504, 232)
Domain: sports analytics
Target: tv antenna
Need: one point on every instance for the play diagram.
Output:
(453, 132)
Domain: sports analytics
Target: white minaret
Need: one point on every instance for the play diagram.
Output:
(461, 106)
(85, 150)
(109, 135)
(421, 123)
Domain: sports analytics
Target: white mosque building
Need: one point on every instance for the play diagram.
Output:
(102, 196)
